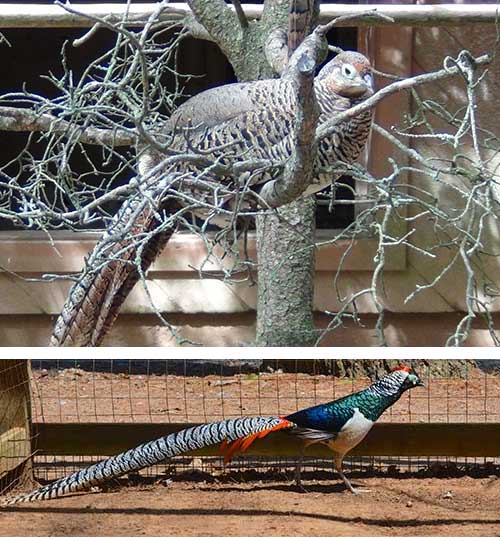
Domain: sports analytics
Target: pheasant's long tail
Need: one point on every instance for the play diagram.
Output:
(241, 444)
(132, 242)
(148, 454)
(300, 16)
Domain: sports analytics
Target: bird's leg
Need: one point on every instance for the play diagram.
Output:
(347, 483)
(298, 471)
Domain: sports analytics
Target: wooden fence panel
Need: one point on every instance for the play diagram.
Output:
(15, 420)
(385, 439)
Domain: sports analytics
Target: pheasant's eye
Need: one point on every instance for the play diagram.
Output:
(414, 380)
(348, 71)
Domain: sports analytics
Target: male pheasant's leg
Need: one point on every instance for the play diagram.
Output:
(298, 472)
(347, 483)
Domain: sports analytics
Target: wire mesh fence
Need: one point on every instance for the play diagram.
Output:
(204, 391)
(178, 391)
(15, 417)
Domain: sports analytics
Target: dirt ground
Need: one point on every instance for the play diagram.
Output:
(75, 395)
(395, 507)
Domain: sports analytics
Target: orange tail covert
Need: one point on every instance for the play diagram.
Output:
(242, 444)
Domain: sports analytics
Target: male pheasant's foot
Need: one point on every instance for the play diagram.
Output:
(298, 483)
(358, 491)
(348, 484)
(298, 476)
(300, 487)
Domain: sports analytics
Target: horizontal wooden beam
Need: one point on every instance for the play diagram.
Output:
(53, 16)
(65, 252)
(385, 439)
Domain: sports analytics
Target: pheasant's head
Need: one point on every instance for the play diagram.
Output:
(349, 75)
(396, 382)
(408, 377)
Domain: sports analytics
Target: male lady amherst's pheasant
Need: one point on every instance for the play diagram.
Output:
(228, 125)
(340, 425)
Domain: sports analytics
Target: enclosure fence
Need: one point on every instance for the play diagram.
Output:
(57, 416)
(16, 443)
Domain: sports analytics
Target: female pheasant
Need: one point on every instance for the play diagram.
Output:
(340, 425)
(227, 125)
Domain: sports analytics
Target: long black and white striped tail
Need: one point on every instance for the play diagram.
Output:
(151, 453)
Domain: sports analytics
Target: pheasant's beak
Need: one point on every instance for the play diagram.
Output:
(359, 82)
(359, 86)
(368, 80)
(420, 384)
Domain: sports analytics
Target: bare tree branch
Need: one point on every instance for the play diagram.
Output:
(23, 119)
(276, 50)
(298, 172)
(195, 29)
(368, 15)
(220, 22)
(240, 12)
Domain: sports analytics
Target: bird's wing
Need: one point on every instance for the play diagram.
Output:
(329, 418)
(312, 434)
(218, 105)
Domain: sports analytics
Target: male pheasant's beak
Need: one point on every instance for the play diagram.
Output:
(420, 383)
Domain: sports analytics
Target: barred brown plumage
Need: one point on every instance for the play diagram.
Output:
(302, 13)
(227, 125)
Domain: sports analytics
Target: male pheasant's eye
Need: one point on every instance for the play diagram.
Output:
(348, 71)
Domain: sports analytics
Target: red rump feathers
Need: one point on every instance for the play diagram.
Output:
(242, 444)
(402, 367)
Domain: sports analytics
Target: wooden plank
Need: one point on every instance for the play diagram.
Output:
(178, 294)
(53, 16)
(31, 251)
(386, 439)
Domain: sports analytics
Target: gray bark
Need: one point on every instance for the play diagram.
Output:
(286, 259)
(244, 47)
(285, 253)
(285, 248)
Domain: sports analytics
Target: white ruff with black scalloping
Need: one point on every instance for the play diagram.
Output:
(389, 385)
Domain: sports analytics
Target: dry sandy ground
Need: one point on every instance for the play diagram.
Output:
(78, 396)
(397, 507)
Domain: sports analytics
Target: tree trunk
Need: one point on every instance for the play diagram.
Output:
(285, 247)
(286, 255)
(285, 252)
